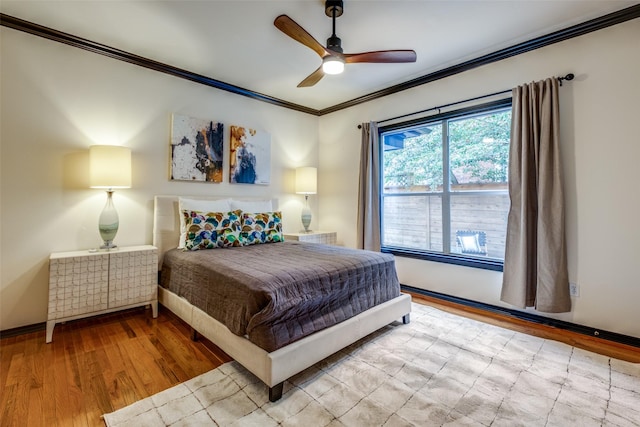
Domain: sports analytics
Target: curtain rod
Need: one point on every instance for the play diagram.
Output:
(568, 77)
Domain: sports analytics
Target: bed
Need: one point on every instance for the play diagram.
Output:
(273, 353)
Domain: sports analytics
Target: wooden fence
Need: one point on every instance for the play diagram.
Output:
(415, 221)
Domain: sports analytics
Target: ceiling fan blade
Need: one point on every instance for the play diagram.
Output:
(312, 78)
(388, 56)
(296, 32)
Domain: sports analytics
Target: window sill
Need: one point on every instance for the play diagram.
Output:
(485, 264)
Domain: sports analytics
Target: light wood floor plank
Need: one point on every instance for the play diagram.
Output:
(36, 412)
(15, 391)
(36, 358)
(77, 407)
(48, 387)
(57, 377)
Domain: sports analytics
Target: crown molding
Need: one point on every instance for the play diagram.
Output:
(121, 55)
(596, 24)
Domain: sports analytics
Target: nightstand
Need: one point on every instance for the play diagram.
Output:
(326, 237)
(83, 283)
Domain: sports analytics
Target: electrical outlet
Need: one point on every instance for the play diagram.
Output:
(574, 289)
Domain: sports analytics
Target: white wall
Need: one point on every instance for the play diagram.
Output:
(56, 102)
(600, 149)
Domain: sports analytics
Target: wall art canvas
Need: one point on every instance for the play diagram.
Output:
(250, 156)
(196, 149)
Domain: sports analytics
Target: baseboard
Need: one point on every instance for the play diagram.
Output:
(530, 317)
(21, 330)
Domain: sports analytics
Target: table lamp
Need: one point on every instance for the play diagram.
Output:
(306, 183)
(109, 168)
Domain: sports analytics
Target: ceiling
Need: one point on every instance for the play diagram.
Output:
(234, 41)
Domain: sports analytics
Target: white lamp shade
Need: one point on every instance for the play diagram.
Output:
(306, 180)
(109, 166)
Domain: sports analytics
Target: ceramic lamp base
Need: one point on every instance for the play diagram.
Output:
(108, 223)
(306, 218)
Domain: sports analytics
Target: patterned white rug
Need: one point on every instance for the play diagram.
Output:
(441, 369)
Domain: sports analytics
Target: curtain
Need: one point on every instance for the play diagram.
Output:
(368, 226)
(535, 263)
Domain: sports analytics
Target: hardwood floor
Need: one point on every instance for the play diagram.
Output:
(95, 366)
(98, 365)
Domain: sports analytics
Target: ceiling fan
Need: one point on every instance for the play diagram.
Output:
(333, 59)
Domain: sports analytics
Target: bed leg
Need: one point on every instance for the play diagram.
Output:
(275, 392)
(406, 318)
(194, 335)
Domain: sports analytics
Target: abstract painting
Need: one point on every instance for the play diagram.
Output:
(196, 149)
(250, 156)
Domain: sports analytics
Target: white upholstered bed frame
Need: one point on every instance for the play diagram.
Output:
(275, 367)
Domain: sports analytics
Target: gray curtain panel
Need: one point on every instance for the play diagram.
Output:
(368, 231)
(535, 264)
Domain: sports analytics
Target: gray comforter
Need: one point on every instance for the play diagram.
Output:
(278, 293)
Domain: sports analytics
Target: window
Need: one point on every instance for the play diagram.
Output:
(444, 186)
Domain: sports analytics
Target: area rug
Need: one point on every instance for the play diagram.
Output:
(439, 370)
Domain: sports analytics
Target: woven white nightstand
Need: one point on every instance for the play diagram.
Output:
(326, 237)
(83, 283)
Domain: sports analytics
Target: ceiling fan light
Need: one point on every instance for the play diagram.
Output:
(332, 65)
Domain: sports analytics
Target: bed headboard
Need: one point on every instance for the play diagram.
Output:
(166, 220)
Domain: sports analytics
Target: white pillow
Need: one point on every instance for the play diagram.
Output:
(252, 206)
(470, 243)
(200, 205)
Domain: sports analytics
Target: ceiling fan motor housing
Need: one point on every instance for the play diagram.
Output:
(334, 44)
(333, 5)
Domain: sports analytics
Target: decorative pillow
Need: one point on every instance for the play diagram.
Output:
(212, 229)
(252, 205)
(199, 205)
(265, 227)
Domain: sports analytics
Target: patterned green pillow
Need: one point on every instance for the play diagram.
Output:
(212, 229)
(263, 227)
